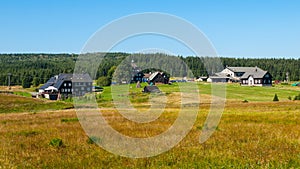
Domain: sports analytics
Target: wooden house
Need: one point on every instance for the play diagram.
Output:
(159, 77)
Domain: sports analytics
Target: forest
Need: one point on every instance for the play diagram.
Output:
(35, 69)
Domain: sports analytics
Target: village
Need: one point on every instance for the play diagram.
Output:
(63, 86)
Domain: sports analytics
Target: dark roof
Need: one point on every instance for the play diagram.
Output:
(58, 80)
(61, 78)
(50, 82)
(81, 78)
(255, 74)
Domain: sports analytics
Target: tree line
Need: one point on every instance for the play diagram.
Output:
(35, 69)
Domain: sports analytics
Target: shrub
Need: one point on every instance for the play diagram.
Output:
(103, 81)
(56, 142)
(245, 101)
(275, 99)
(290, 98)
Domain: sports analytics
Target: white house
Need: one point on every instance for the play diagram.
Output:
(247, 76)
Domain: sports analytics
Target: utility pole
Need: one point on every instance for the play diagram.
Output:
(8, 75)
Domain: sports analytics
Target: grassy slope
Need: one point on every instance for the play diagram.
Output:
(12, 103)
(263, 135)
(258, 134)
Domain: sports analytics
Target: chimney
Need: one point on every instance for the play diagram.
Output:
(255, 68)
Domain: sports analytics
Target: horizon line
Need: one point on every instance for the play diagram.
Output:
(186, 55)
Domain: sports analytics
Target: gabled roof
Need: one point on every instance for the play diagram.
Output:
(57, 81)
(244, 69)
(61, 78)
(254, 74)
(152, 76)
(81, 78)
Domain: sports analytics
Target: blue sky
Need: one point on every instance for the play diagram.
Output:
(237, 28)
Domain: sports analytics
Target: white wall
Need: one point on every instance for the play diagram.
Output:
(227, 71)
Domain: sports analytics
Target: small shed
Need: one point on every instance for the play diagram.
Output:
(151, 89)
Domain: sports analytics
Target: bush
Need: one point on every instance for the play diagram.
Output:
(275, 99)
(290, 98)
(56, 142)
(104, 81)
(245, 101)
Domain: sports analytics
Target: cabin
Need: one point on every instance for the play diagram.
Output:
(65, 85)
(246, 76)
(158, 77)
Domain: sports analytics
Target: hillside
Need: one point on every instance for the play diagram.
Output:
(35, 69)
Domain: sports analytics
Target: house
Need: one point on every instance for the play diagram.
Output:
(139, 77)
(256, 77)
(67, 85)
(158, 77)
(235, 73)
(247, 76)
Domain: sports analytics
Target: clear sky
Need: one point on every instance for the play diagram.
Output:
(237, 28)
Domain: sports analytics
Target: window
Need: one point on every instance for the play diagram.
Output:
(88, 89)
(258, 81)
(62, 90)
(82, 88)
(65, 84)
(255, 81)
(70, 84)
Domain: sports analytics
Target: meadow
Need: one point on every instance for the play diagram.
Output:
(258, 133)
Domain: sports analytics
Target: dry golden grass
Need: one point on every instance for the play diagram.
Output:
(250, 135)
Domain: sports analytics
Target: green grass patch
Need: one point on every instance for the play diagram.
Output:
(25, 94)
(56, 142)
(66, 120)
(28, 133)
